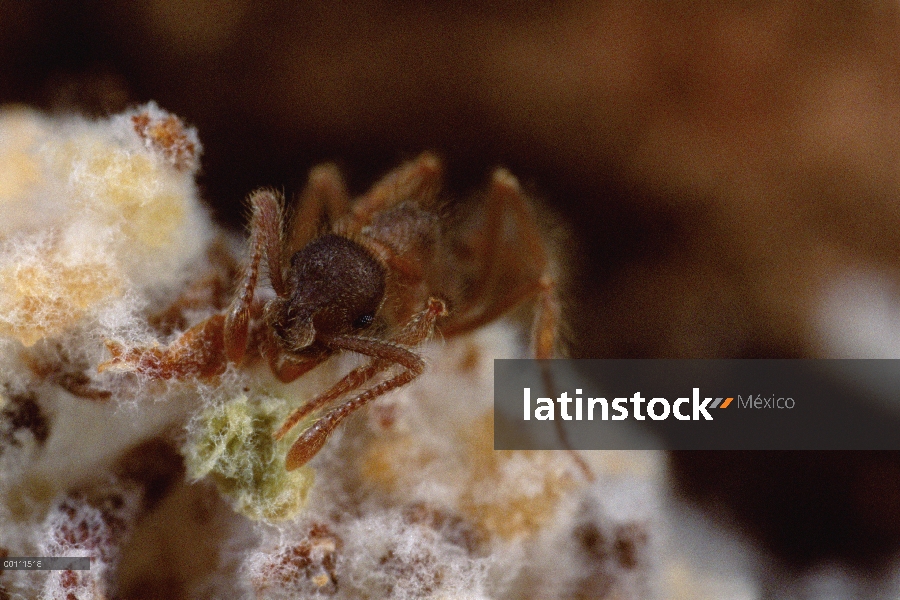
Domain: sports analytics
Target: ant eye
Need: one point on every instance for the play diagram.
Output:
(364, 321)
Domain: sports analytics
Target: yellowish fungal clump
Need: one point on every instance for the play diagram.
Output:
(235, 447)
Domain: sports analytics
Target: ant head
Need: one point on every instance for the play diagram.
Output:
(336, 287)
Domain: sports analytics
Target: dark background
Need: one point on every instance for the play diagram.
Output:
(719, 163)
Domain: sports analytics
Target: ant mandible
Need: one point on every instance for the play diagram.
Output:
(387, 269)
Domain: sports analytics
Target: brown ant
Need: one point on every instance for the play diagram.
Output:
(390, 267)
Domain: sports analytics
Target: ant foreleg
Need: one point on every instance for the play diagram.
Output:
(265, 237)
(384, 355)
(416, 331)
(351, 381)
(311, 441)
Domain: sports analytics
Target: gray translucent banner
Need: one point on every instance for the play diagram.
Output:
(697, 404)
(45, 563)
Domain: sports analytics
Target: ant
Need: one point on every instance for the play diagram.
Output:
(388, 269)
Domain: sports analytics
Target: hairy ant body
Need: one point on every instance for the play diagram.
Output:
(388, 270)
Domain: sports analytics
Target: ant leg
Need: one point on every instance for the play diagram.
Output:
(546, 320)
(385, 354)
(265, 237)
(421, 326)
(311, 441)
(504, 196)
(195, 354)
(545, 331)
(417, 180)
(351, 381)
(505, 199)
(325, 194)
(269, 226)
(415, 332)
(477, 318)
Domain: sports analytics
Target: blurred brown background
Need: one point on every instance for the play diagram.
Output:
(719, 163)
